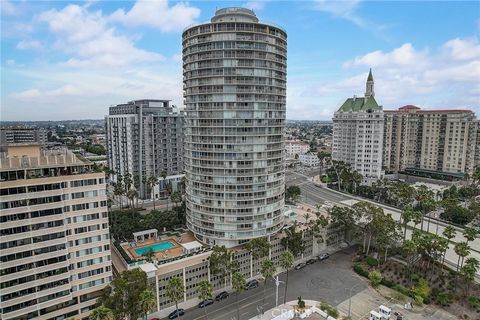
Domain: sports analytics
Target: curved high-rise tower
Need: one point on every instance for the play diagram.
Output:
(234, 75)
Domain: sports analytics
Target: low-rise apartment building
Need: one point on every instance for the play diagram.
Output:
(309, 160)
(294, 148)
(54, 235)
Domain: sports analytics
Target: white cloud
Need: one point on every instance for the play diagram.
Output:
(7, 8)
(29, 44)
(158, 14)
(448, 77)
(255, 5)
(90, 40)
(347, 10)
(460, 49)
(47, 95)
(406, 55)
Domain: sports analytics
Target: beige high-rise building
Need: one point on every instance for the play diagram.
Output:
(54, 236)
(443, 141)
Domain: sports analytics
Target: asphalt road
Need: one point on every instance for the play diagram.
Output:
(329, 280)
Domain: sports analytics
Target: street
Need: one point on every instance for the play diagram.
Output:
(330, 280)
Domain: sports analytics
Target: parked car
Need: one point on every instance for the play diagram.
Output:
(205, 303)
(176, 313)
(300, 266)
(311, 261)
(222, 295)
(323, 256)
(251, 284)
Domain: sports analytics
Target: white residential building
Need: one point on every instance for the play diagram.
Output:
(358, 128)
(295, 148)
(235, 77)
(309, 159)
(145, 138)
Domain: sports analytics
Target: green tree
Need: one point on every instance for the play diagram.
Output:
(221, 262)
(292, 194)
(176, 198)
(267, 269)
(205, 291)
(147, 302)
(449, 233)
(238, 284)
(345, 217)
(121, 296)
(462, 250)
(470, 234)
(258, 247)
(468, 272)
(101, 313)
(175, 290)
(151, 183)
(375, 278)
(421, 291)
(286, 262)
(119, 189)
(410, 248)
(132, 194)
(293, 240)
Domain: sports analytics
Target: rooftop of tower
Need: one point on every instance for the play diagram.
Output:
(236, 14)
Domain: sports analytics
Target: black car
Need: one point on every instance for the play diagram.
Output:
(222, 295)
(323, 256)
(300, 266)
(205, 303)
(176, 313)
(251, 284)
(311, 261)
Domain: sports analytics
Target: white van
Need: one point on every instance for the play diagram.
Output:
(386, 312)
(374, 315)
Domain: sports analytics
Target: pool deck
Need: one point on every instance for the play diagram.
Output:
(175, 251)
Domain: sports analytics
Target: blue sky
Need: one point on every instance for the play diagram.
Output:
(72, 60)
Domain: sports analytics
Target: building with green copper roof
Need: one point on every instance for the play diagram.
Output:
(358, 134)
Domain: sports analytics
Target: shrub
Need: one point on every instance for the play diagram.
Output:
(375, 278)
(359, 270)
(415, 277)
(444, 298)
(402, 289)
(473, 302)
(300, 303)
(421, 291)
(331, 311)
(387, 283)
(372, 262)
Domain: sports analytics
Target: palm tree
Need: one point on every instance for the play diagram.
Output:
(470, 234)
(147, 301)
(149, 254)
(205, 291)
(449, 233)
(119, 189)
(286, 262)
(176, 198)
(101, 313)
(406, 216)
(131, 195)
(151, 182)
(267, 269)
(175, 290)
(462, 250)
(468, 272)
(410, 247)
(238, 284)
(258, 248)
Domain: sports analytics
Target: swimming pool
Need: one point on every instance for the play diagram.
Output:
(155, 247)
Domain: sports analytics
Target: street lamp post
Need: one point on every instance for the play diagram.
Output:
(277, 284)
(350, 298)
